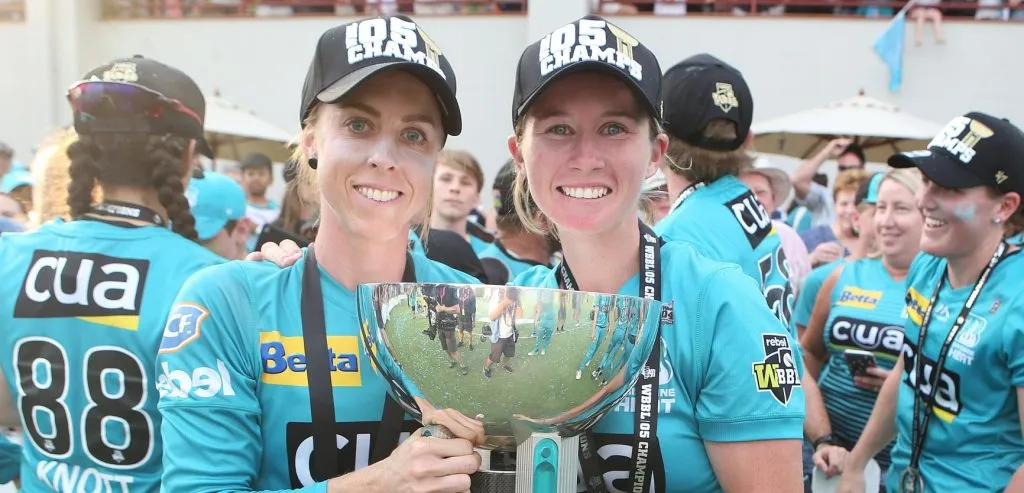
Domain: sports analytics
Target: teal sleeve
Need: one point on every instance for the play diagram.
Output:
(208, 372)
(10, 460)
(751, 385)
(1013, 344)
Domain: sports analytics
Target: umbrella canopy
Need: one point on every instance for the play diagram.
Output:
(880, 128)
(233, 132)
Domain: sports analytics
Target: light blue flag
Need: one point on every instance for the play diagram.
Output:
(889, 47)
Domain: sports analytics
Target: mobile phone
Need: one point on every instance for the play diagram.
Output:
(859, 361)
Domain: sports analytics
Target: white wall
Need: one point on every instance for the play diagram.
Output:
(791, 64)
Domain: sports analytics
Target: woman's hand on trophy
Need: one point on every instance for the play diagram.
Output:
(427, 464)
(284, 254)
(457, 424)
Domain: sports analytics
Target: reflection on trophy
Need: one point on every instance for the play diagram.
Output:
(543, 371)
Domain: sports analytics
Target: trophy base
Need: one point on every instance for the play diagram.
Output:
(545, 463)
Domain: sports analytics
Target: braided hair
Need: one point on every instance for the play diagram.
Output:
(131, 160)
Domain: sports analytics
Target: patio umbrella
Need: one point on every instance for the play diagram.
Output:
(233, 132)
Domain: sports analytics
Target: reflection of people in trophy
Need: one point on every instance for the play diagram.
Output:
(467, 301)
(563, 300)
(544, 320)
(448, 319)
(413, 300)
(504, 315)
(597, 332)
(625, 312)
(430, 299)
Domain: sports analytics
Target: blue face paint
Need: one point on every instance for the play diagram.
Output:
(965, 212)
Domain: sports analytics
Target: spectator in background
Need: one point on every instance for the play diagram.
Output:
(12, 215)
(50, 174)
(831, 242)
(458, 181)
(257, 175)
(6, 158)
(657, 203)
(798, 216)
(231, 171)
(218, 204)
(927, 10)
(517, 249)
(816, 197)
(771, 186)
(17, 184)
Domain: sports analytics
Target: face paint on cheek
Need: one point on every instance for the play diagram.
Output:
(965, 212)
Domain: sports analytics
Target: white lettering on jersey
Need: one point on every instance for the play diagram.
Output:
(72, 478)
(110, 293)
(203, 382)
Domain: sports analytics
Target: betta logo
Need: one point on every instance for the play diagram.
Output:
(777, 373)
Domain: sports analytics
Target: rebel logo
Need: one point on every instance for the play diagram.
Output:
(89, 286)
(777, 374)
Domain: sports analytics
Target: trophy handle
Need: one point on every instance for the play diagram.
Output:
(438, 431)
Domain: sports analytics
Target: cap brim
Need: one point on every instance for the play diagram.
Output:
(588, 66)
(451, 114)
(208, 227)
(941, 170)
(204, 147)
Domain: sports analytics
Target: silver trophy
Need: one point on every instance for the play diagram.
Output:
(537, 367)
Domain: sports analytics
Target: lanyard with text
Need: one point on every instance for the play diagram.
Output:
(687, 192)
(646, 452)
(125, 210)
(911, 480)
(321, 392)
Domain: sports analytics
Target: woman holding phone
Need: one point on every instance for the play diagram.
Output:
(953, 401)
(856, 330)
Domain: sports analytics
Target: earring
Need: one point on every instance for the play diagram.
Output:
(997, 220)
(312, 162)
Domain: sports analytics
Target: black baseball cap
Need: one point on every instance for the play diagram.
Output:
(591, 43)
(703, 88)
(159, 78)
(349, 54)
(972, 150)
(504, 200)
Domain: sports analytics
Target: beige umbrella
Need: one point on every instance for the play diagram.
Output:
(880, 128)
(233, 132)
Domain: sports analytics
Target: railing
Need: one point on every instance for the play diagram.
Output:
(12, 10)
(126, 9)
(981, 9)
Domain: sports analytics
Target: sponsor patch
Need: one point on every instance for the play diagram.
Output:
(777, 374)
(917, 304)
(284, 360)
(855, 297)
(183, 326)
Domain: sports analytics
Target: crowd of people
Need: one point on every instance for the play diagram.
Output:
(871, 323)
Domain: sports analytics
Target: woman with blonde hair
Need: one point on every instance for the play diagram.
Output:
(855, 334)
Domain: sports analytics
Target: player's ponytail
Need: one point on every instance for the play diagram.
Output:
(165, 154)
(83, 172)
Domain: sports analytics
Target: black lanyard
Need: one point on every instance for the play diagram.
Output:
(921, 422)
(126, 210)
(318, 373)
(645, 425)
(687, 192)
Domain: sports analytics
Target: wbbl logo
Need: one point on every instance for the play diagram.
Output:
(777, 373)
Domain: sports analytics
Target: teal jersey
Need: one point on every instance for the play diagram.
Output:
(866, 313)
(1017, 239)
(974, 439)
(549, 312)
(10, 460)
(416, 243)
(515, 265)
(726, 223)
(809, 293)
(81, 325)
(602, 308)
(479, 245)
(729, 372)
(799, 219)
(233, 387)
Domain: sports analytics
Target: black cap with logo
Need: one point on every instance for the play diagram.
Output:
(701, 89)
(588, 44)
(504, 201)
(159, 78)
(349, 54)
(973, 150)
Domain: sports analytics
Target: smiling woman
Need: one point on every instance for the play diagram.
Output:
(373, 123)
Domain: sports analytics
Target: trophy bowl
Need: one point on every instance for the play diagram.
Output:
(520, 360)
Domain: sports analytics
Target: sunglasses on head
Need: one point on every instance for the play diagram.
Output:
(99, 99)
